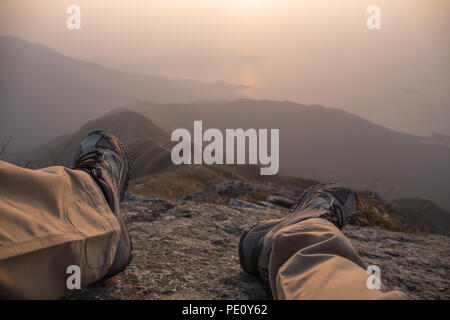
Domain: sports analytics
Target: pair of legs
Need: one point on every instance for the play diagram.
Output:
(54, 218)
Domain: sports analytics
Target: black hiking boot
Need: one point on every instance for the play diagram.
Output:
(333, 202)
(103, 156)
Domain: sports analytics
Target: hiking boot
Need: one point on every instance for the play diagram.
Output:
(331, 201)
(103, 156)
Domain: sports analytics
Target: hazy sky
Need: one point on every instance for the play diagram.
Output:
(308, 51)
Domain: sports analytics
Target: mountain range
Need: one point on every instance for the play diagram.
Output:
(327, 144)
(48, 103)
(153, 174)
(44, 93)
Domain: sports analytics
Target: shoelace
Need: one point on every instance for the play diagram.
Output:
(321, 200)
(303, 195)
(88, 161)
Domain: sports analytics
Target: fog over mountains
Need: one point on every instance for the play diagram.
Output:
(44, 94)
(154, 174)
(328, 144)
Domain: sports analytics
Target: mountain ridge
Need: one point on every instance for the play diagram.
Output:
(63, 92)
(154, 175)
(325, 144)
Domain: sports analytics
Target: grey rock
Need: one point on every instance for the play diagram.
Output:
(281, 201)
(189, 250)
(244, 204)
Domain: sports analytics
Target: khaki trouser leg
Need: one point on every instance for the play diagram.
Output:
(50, 219)
(314, 260)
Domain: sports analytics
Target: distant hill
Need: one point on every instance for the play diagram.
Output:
(326, 144)
(441, 139)
(423, 214)
(44, 94)
(147, 145)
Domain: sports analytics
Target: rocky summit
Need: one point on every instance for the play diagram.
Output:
(188, 249)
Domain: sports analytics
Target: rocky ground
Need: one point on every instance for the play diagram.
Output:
(189, 250)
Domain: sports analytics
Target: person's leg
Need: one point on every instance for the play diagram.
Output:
(305, 255)
(313, 259)
(51, 219)
(57, 217)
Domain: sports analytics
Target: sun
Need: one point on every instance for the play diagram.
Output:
(249, 77)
